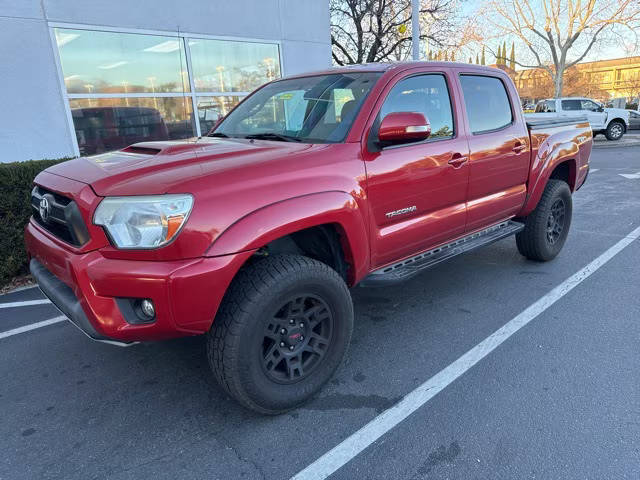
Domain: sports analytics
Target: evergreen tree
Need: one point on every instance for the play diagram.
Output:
(482, 59)
(512, 60)
(498, 55)
(504, 53)
(477, 60)
(430, 56)
(471, 60)
(452, 57)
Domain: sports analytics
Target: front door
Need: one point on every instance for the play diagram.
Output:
(589, 108)
(417, 191)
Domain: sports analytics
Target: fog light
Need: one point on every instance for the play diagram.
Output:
(147, 308)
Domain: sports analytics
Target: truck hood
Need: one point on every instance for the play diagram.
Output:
(151, 168)
(618, 112)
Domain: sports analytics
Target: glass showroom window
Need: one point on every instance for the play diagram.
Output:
(225, 71)
(127, 87)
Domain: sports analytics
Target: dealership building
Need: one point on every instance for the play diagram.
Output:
(80, 78)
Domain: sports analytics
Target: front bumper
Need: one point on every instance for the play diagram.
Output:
(65, 300)
(86, 287)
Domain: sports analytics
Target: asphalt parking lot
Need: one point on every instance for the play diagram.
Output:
(559, 398)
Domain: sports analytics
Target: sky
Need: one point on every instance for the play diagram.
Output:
(613, 48)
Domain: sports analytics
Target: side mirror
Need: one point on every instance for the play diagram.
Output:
(404, 127)
(600, 108)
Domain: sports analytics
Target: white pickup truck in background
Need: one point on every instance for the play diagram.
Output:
(612, 122)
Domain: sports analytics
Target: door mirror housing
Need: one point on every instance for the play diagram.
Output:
(403, 127)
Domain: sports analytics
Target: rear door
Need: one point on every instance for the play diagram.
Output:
(499, 145)
(417, 191)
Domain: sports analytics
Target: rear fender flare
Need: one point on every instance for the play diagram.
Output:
(542, 168)
(279, 219)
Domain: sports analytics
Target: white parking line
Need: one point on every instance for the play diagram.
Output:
(630, 176)
(32, 326)
(376, 428)
(24, 304)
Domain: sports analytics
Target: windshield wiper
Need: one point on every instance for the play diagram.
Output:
(273, 136)
(218, 134)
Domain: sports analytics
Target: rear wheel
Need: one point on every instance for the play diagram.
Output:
(281, 332)
(614, 131)
(547, 227)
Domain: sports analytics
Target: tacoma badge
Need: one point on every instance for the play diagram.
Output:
(401, 211)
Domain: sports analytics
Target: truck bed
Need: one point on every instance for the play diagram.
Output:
(549, 122)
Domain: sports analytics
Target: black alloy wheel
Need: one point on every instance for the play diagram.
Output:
(555, 222)
(296, 339)
(281, 332)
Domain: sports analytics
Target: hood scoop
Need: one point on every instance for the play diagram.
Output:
(141, 150)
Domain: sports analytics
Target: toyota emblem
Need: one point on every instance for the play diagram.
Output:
(45, 209)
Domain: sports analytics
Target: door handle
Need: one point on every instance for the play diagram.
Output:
(519, 147)
(458, 160)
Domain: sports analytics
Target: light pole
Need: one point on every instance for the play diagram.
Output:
(269, 62)
(126, 99)
(415, 28)
(89, 88)
(153, 90)
(220, 69)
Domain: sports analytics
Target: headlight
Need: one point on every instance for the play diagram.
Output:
(143, 222)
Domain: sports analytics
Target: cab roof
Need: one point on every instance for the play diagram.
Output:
(396, 66)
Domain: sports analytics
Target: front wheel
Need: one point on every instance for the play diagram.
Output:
(281, 332)
(547, 227)
(614, 131)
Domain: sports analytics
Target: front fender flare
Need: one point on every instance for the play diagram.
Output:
(276, 220)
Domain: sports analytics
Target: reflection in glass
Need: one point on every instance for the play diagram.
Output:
(211, 109)
(109, 62)
(105, 124)
(487, 102)
(229, 66)
(316, 109)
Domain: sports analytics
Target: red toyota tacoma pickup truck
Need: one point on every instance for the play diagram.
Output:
(253, 234)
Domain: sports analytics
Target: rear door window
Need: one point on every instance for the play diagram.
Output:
(487, 103)
(569, 105)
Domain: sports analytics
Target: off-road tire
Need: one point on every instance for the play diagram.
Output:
(533, 242)
(615, 131)
(235, 341)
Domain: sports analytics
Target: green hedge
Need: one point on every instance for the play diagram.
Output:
(16, 182)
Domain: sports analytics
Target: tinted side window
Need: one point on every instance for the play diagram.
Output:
(487, 103)
(546, 106)
(589, 105)
(571, 105)
(426, 94)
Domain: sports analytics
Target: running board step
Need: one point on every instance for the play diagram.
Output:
(410, 267)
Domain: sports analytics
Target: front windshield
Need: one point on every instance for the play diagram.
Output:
(318, 109)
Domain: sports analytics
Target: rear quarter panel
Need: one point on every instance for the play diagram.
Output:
(551, 146)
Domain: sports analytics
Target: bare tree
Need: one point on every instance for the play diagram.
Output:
(560, 33)
(630, 86)
(380, 30)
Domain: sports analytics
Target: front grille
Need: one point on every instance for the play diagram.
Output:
(62, 217)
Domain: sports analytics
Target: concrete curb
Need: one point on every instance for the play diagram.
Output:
(619, 144)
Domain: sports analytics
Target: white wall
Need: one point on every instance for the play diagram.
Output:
(33, 121)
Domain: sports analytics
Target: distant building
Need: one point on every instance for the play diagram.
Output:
(602, 80)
